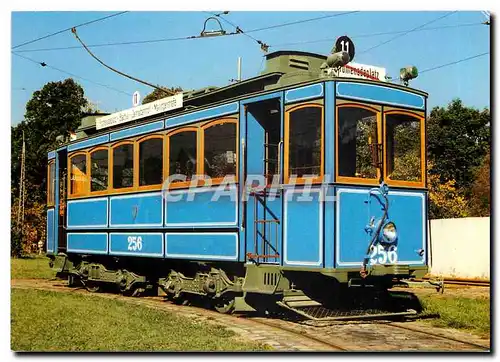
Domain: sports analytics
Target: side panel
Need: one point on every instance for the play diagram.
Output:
(203, 207)
(222, 110)
(50, 231)
(87, 214)
(200, 246)
(88, 143)
(303, 228)
(135, 131)
(138, 211)
(406, 210)
(91, 243)
(378, 94)
(304, 93)
(136, 244)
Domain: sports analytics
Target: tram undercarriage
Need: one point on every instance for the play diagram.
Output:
(269, 289)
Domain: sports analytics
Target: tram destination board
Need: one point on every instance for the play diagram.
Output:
(145, 110)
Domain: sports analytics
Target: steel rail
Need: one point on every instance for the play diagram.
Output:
(303, 335)
(436, 335)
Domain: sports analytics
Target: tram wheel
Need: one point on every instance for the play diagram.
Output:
(92, 287)
(224, 304)
(180, 300)
(72, 281)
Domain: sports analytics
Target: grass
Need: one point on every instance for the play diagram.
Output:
(51, 321)
(470, 314)
(35, 266)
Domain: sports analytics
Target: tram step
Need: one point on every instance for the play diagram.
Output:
(300, 301)
(317, 312)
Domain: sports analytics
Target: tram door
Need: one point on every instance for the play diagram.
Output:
(263, 172)
(61, 210)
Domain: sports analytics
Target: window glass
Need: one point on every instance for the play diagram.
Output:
(151, 162)
(99, 170)
(220, 150)
(182, 154)
(403, 147)
(78, 174)
(357, 137)
(304, 157)
(51, 183)
(123, 166)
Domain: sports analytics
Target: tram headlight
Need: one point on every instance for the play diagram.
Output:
(389, 232)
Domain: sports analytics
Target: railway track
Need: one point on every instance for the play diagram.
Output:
(299, 335)
(437, 335)
(458, 282)
(316, 339)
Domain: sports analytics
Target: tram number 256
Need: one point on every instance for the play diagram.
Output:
(134, 243)
(378, 255)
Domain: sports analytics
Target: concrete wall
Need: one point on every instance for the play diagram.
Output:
(460, 248)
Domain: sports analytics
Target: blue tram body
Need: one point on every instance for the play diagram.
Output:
(285, 121)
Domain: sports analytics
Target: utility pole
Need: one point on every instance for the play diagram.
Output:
(239, 69)
(22, 191)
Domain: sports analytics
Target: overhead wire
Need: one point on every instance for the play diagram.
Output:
(407, 32)
(43, 64)
(452, 63)
(377, 34)
(67, 29)
(301, 21)
(166, 91)
(446, 65)
(111, 44)
(147, 41)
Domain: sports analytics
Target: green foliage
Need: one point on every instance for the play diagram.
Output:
(458, 139)
(158, 94)
(54, 110)
(445, 200)
(481, 195)
(31, 267)
(54, 321)
(16, 242)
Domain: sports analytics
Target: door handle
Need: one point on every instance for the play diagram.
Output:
(280, 168)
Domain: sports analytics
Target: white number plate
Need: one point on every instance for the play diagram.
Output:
(378, 255)
(134, 243)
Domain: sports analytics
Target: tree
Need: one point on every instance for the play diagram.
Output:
(481, 196)
(158, 94)
(54, 110)
(458, 139)
(445, 201)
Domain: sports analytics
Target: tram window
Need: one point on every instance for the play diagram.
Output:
(123, 166)
(220, 150)
(357, 129)
(151, 162)
(305, 137)
(182, 154)
(403, 147)
(78, 174)
(51, 183)
(99, 170)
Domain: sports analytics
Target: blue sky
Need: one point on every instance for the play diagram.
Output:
(199, 63)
